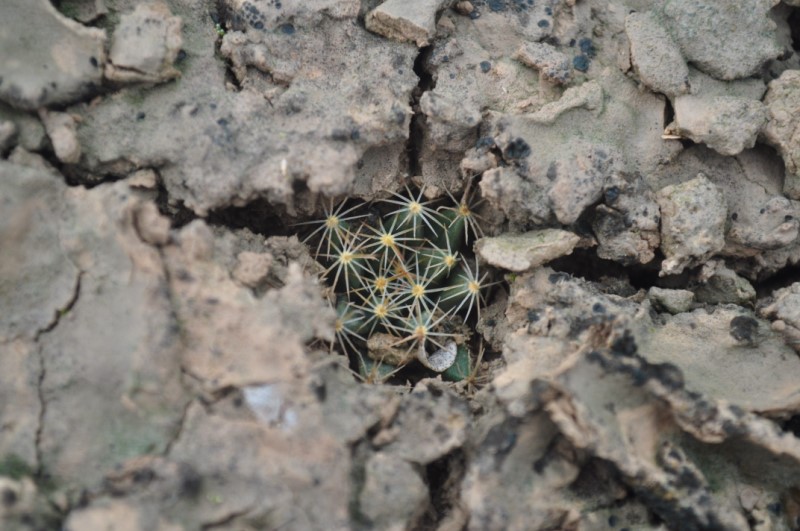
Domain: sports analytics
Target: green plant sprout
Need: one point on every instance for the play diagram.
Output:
(401, 268)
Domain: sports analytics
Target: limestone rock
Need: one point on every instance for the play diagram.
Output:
(692, 223)
(394, 496)
(655, 56)
(144, 45)
(66, 63)
(725, 124)
(728, 40)
(672, 300)
(553, 65)
(405, 21)
(61, 128)
(627, 224)
(521, 252)
(782, 130)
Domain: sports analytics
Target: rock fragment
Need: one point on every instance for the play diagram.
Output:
(784, 310)
(672, 300)
(782, 129)
(727, 124)
(552, 64)
(451, 125)
(8, 134)
(405, 21)
(728, 40)
(721, 285)
(627, 224)
(588, 95)
(145, 44)
(521, 252)
(656, 58)
(61, 128)
(692, 223)
(394, 496)
(65, 65)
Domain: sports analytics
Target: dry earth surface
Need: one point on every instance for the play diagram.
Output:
(167, 346)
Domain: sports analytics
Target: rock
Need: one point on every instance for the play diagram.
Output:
(588, 95)
(655, 56)
(577, 180)
(449, 124)
(730, 356)
(8, 134)
(692, 223)
(145, 44)
(784, 311)
(65, 65)
(519, 199)
(425, 430)
(226, 148)
(30, 131)
(672, 300)
(393, 496)
(721, 285)
(405, 21)
(37, 277)
(152, 227)
(627, 225)
(521, 252)
(782, 130)
(61, 128)
(725, 124)
(252, 268)
(727, 40)
(553, 65)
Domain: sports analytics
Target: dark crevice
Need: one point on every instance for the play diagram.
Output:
(585, 264)
(794, 25)
(444, 486)
(259, 216)
(669, 113)
(781, 279)
(417, 125)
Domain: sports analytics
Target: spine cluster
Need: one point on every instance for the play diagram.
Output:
(404, 278)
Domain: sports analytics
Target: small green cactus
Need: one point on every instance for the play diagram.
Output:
(402, 269)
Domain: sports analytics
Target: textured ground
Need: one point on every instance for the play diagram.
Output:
(165, 345)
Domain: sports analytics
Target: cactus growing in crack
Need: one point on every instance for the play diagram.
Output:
(405, 276)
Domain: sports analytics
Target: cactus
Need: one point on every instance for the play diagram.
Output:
(407, 273)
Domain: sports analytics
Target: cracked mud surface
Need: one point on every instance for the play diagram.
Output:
(167, 346)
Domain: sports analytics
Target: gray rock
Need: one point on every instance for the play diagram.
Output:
(782, 130)
(66, 63)
(784, 312)
(721, 285)
(405, 21)
(672, 300)
(627, 224)
(449, 124)
(37, 277)
(521, 252)
(144, 45)
(692, 223)
(728, 40)
(30, 131)
(61, 128)
(425, 430)
(8, 135)
(394, 496)
(552, 64)
(655, 56)
(725, 124)
(225, 148)
(588, 95)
